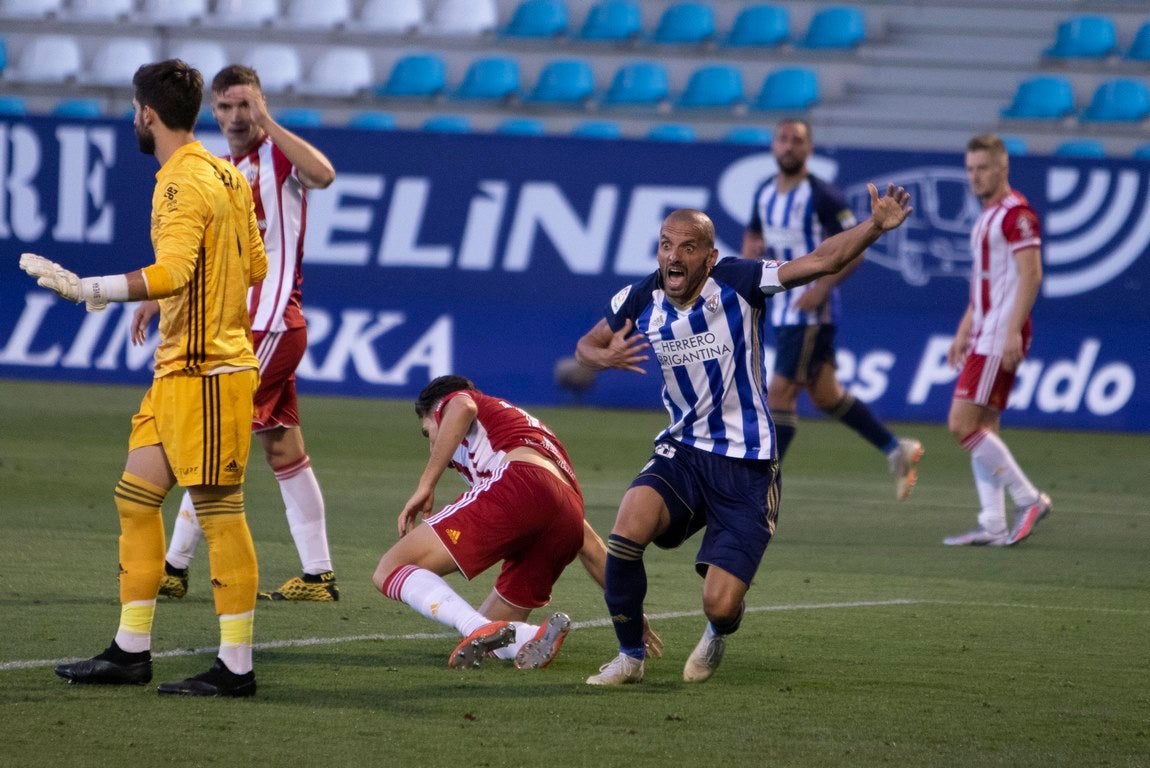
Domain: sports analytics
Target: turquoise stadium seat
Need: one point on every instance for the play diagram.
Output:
(522, 126)
(13, 106)
(717, 85)
(447, 124)
(300, 117)
(686, 23)
(1015, 145)
(764, 26)
(79, 107)
(638, 83)
(1049, 97)
(1123, 100)
(1142, 152)
(789, 88)
(564, 81)
(672, 132)
(598, 129)
(493, 78)
(837, 26)
(538, 18)
(1084, 37)
(612, 20)
(417, 75)
(749, 134)
(374, 121)
(1139, 49)
(1081, 148)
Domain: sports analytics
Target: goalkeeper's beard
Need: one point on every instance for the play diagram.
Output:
(146, 139)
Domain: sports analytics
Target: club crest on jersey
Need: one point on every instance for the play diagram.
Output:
(618, 299)
(713, 303)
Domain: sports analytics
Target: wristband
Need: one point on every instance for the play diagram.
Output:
(96, 292)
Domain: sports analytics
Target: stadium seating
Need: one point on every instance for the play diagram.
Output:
(1048, 97)
(836, 27)
(790, 88)
(748, 134)
(1015, 145)
(765, 26)
(30, 9)
(78, 108)
(207, 56)
(612, 20)
(244, 14)
(1119, 100)
(340, 71)
(376, 121)
(522, 126)
(597, 129)
(416, 74)
(717, 85)
(685, 23)
(538, 18)
(390, 17)
(564, 82)
(447, 124)
(1085, 37)
(492, 78)
(117, 60)
(638, 83)
(278, 65)
(1139, 49)
(102, 11)
(173, 12)
(317, 14)
(463, 18)
(3, 55)
(49, 59)
(671, 132)
(1081, 148)
(1142, 152)
(300, 117)
(13, 106)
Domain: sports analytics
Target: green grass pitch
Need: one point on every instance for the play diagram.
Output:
(867, 643)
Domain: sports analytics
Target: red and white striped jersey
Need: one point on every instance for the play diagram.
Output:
(499, 428)
(281, 212)
(1001, 231)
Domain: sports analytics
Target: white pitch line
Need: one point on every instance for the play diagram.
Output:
(312, 641)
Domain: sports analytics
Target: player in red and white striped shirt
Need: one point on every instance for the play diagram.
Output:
(281, 167)
(992, 339)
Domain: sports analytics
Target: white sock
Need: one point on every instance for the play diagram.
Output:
(303, 503)
(236, 641)
(523, 633)
(431, 596)
(992, 514)
(186, 535)
(997, 459)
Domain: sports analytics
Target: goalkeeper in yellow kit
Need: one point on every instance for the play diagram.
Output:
(194, 424)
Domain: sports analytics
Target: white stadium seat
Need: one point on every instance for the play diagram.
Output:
(341, 72)
(463, 18)
(49, 59)
(277, 65)
(207, 56)
(101, 10)
(245, 13)
(391, 17)
(173, 12)
(317, 14)
(30, 9)
(117, 60)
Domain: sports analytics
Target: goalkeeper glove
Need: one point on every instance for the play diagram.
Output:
(95, 292)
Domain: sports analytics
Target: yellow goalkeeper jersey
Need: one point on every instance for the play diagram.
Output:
(208, 253)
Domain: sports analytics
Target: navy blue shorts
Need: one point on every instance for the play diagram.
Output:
(801, 349)
(736, 500)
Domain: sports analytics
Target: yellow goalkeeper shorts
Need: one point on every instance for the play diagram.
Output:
(203, 423)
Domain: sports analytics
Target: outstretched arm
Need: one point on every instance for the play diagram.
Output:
(836, 253)
(95, 292)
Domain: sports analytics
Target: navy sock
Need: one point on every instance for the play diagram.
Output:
(625, 590)
(857, 416)
(786, 425)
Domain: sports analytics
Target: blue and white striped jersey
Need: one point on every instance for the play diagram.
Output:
(792, 224)
(711, 355)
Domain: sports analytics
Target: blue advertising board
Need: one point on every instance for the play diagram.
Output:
(490, 255)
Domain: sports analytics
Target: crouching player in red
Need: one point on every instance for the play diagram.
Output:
(523, 508)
